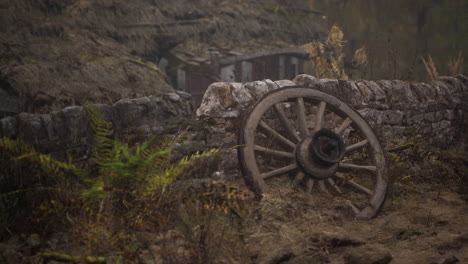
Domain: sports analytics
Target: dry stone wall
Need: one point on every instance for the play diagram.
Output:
(432, 111)
(66, 133)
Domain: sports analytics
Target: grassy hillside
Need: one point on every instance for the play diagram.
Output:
(73, 50)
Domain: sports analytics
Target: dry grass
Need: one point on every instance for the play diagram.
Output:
(456, 65)
(431, 68)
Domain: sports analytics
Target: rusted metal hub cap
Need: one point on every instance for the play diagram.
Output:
(319, 154)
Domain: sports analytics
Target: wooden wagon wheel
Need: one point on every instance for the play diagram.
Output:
(317, 143)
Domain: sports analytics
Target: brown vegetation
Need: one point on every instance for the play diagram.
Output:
(85, 50)
(397, 33)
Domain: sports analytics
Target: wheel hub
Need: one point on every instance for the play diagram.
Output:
(318, 155)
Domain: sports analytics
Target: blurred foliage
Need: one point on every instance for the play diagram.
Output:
(327, 58)
(397, 33)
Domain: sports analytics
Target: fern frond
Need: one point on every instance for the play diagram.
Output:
(168, 175)
(21, 151)
(103, 145)
(95, 192)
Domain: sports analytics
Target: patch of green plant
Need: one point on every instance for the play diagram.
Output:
(23, 152)
(117, 178)
(123, 188)
(127, 173)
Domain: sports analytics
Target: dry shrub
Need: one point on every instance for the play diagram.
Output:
(335, 38)
(327, 58)
(195, 221)
(360, 57)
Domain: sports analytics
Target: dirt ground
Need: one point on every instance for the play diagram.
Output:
(426, 224)
(424, 220)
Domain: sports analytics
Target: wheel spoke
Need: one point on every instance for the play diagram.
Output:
(275, 126)
(333, 184)
(299, 176)
(344, 125)
(276, 153)
(322, 186)
(279, 171)
(301, 118)
(353, 184)
(319, 116)
(355, 209)
(310, 185)
(357, 146)
(267, 129)
(286, 124)
(348, 166)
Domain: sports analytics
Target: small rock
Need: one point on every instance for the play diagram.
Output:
(173, 97)
(184, 95)
(429, 117)
(451, 260)
(217, 98)
(284, 83)
(305, 80)
(271, 84)
(368, 255)
(387, 131)
(218, 175)
(334, 239)
(258, 88)
(394, 117)
(379, 94)
(242, 95)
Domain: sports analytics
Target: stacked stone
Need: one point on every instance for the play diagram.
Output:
(221, 112)
(432, 110)
(393, 108)
(66, 133)
(465, 116)
(224, 104)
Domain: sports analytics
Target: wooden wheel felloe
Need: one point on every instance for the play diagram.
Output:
(313, 141)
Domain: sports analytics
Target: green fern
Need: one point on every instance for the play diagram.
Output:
(103, 143)
(21, 151)
(124, 173)
(140, 171)
(121, 168)
(160, 178)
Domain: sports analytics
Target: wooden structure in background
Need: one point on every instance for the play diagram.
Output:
(194, 74)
